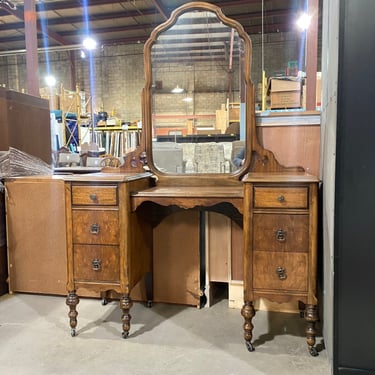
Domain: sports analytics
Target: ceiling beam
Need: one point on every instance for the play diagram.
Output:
(19, 13)
(161, 9)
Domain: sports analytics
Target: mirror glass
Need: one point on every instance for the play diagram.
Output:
(197, 95)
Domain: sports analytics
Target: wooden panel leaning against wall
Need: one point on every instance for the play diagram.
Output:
(36, 235)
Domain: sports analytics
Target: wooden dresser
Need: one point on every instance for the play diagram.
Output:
(280, 245)
(108, 247)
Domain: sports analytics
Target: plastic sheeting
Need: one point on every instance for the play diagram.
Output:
(14, 163)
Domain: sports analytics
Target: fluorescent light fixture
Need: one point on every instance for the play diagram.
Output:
(177, 90)
(188, 99)
(304, 21)
(89, 43)
(50, 81)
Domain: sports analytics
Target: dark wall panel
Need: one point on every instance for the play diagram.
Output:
(354, 308)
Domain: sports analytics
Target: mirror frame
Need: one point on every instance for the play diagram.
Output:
(250, 134)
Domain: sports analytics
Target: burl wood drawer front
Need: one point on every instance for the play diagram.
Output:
(280, 271)
(94, 195)
(95, 226)
(96, 263)
(280, 197)
(278, 232)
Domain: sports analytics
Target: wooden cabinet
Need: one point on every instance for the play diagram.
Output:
(108, 247)
(280, 254)
(25, 124)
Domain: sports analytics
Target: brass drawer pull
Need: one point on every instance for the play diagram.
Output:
(96, 264)
(281, 198)
(281, 273)
(93, 197)
(280, 235)
(94, 228)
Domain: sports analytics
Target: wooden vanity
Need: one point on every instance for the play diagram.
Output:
(110, 216)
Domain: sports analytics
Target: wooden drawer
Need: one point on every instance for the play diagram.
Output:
(95, 226)
(280, 232)
(96, 263)
(102, 195)
(266, 264)
(280, 197)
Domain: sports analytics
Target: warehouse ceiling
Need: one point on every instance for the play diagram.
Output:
(65, 23)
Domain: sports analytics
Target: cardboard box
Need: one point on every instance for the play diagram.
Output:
(284, 92)
(318, 91)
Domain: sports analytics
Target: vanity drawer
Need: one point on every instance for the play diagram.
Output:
(96, 263)
(95, 226)
(281, 232)
(101, 195)
(280, 271)
(280, 197)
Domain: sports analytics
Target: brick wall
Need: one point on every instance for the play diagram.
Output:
(119, 74)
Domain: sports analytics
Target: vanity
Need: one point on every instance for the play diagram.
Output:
(110, 216)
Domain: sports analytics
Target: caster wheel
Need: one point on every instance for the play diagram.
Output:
(73, 332)
(149, 304)
(313, 351)
(125, 335)
(249, 346)
(104, 301)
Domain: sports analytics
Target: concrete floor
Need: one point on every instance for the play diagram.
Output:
(166, 339)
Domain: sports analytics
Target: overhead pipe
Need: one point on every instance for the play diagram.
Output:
(230, 78)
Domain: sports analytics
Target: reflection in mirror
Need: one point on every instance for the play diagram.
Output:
(196, 98)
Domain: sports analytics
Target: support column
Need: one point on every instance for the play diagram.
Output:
(312, 55)
(31, 48)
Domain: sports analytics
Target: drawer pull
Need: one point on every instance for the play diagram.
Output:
(96, 264)
(95, 228)
(94, 197)
(281, 273)
(281, 198)
(281, 235)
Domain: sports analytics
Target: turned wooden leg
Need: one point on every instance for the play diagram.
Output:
(311, 316)
(72, 301)
(248, 313)
(125, 304)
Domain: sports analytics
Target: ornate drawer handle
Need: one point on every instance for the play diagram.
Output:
(281, 198)
(281, 273)
(94, 228)
(281, 235)
(96, 264)
(93, 197)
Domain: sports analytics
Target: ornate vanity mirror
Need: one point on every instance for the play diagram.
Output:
(198, 97)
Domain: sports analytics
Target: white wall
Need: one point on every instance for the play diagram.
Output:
(328, 159)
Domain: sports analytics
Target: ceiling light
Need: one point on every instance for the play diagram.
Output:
(177, 90)
(89, 43)
(50, 81)
(304, 21)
